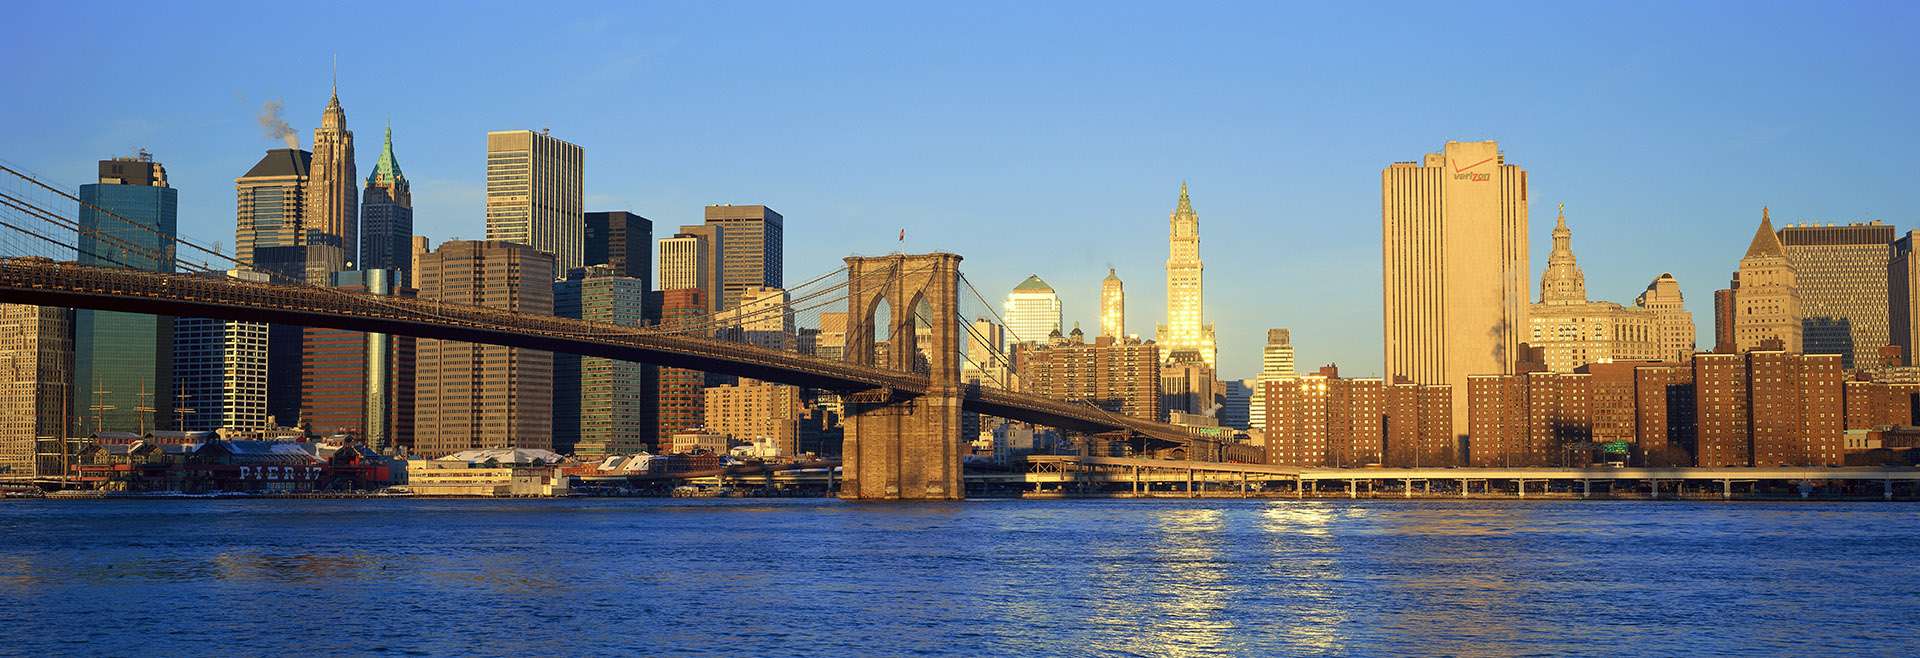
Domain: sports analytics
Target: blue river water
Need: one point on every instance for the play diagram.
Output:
(1063, 577)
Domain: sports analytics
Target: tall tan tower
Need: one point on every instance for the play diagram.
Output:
(333, 193)
(1187, 327)
(1766, 307)
(468, 395)
(1113, 306)
(535, 194)
(1454, 250)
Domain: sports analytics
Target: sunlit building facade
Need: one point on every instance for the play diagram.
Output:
(333, 198)
(1113, 306)
(1841, 284)
(1454, 248)
(535, 194)
(1187, 327)
(1032, 312)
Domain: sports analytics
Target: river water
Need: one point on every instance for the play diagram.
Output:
(1062, 577)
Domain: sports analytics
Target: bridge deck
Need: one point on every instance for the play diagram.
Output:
(49, 283)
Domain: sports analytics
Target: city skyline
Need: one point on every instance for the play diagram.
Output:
(1285, 200)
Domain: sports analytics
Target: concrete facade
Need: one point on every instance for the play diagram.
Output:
(474, 396)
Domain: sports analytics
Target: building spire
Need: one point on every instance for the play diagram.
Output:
(1765, 242)
(1563, 282)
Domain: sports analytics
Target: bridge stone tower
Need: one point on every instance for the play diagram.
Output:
(897, 447)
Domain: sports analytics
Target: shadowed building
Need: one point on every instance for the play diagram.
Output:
(386, 218)
(221, 370)
(623, 241)
(357, 383)
(1454, 236)
(681, 402)
(602, 406)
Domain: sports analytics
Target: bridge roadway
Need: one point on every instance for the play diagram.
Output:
(1060, 473)
(46, 282)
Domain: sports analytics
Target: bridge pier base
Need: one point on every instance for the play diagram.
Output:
(908, 450)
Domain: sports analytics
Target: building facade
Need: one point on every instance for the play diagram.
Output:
(333, 200)
(359, 384)
(623, 241)
(751, 248)
(386, 218)
(1032, 312)
(1570, 331)
(123, 362)
(1454, 248)
(681, 402)
(1842, 283)
(271, 201)
(471, 396)
(1187, 327)
(1113, 306)
(1672, 323)
(755, 411)
(535, 194)
(1187, 385)
(1119, 375)
(1276, 364)
(36, 373)
(602, 406)
(1903, 297)
(1766, 302)
(760, 317)
(221, 368)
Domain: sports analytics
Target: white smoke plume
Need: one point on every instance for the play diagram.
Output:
(274, 126)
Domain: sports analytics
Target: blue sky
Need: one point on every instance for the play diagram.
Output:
(1046, 138)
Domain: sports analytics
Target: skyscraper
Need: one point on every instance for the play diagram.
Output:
(1903, 296)
(221, 370)
(535, 194)
(623, 241)
(750, 250)
(1766, 303)
(710, 237)
(681, 399)
(602, 406)
(36, 371)
(1276, 365)
(683, 262)
(469, 395)
(1454, 243)
(332, 199)
(123, 362)
(358, 383)
(1113, 306)
(1841, 281)
(1187, 327)
(271, 203)
(386, 218)
(1032, 311)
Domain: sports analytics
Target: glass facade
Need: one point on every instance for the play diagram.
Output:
(123, 362)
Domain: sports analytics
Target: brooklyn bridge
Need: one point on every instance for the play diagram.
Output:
(900, 378)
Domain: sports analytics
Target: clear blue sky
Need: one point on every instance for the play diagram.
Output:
(1045, 138)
